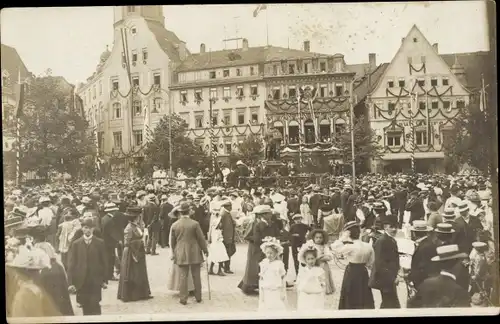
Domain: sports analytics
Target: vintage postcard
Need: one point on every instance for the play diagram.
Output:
(250, 161)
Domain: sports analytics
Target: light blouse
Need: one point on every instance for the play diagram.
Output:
(311, 280)
(271, 274)
(356, 252)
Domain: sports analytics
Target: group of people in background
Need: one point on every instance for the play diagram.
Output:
(76, 238)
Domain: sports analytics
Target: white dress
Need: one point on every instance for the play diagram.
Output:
(216, 250)
(311, 289)
(272, 285)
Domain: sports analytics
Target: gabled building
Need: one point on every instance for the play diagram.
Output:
(119, 98)
(415, 102)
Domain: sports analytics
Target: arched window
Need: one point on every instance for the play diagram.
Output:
(324, 131)
(137, 108)
(279, 126)
(293, 132)
(309, 131)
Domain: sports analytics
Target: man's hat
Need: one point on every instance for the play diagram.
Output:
(140, 194)
(110, 207)
(448, 252)
(390, 220)
(379, 206)
(370, 199)
(164, 197)
(86, 200)
(133, 211)
(463, 206)
(297, 216)
(444, 228)
(183, 207)
(350, 225)
(420, 226)
(88, 222)
(480, 246)
(43, 199)
(449, 214)
(262, 209)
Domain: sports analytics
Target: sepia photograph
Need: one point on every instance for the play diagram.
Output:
(250, 161)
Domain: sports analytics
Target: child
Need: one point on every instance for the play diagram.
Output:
(311, 283)
(305, 211)
(217, 250)
(272, 286)
(319, 239)
(478, 269)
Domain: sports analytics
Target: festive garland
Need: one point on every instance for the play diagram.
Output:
(281, 106)
(417, 70)
(226, 130)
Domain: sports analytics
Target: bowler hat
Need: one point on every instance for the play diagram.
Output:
(183, 207)
(390, 220)
(133, 211)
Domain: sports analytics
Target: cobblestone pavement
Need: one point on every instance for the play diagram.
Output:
(225, 295)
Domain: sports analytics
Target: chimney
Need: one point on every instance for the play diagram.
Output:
(202, 48)
(435, 47)
(181, 49)
(307, 46)
(372, 61)
(245, 44)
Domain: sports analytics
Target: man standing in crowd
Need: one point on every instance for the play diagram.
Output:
(152, 223)
(87, 266)
(384, 275)
(188, 244)
(228, 227)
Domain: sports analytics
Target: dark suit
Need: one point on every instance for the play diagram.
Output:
(112, 233)
(335, 202)
(421, 265)
(165, 209)
(416, 208)
(439, 291)
(228, 227)
(151, 212)
(87, 264)
(464, 235)
(293, 206)
(188, 243)
(202, 217)
(314, 202)
(385, 270)
(400, 197)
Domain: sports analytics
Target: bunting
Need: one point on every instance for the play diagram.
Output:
(259, 8)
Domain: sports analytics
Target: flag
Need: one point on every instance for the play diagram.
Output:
(146, 132)
(259, 9)
(20, 101)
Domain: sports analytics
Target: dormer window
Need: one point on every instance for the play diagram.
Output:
(133, 30)
(115, 84)
(291, 68)
(144, 54)
(446, 81)
(183, 96)
(276, 93)
(390, 84)
(135, 81)
(212, 74)
(238, 72)
(130, 9)
(338, 66)
(226, 73)
(421, 82)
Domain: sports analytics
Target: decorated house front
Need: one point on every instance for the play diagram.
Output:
(414, 106)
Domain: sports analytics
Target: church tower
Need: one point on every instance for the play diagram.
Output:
(151, 13)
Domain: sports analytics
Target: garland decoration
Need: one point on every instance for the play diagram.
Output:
(416, 70)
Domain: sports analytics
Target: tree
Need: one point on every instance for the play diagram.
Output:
(185, 153)
(470, 140)
(365, 145)
(54, 136)
(249, 151)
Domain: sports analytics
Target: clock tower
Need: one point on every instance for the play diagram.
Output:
(150, 13)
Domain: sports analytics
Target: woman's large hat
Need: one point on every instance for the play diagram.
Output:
(271, 242)
(448, 252)
(32, 259)
(262, 209)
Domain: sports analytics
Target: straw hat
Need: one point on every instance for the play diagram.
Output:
(448, 252)
(262, 209)
(480, 246)
(297, 216)
(110, 207)
(350, 225)
(444, 228)
(449, 214)
(43, 199)
(420, 226)
(272, 242)
(33, 259)
(86, 200)
(463, 206)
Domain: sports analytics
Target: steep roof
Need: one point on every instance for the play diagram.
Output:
(12, 62)
(475, 64)
(167, 40)
(252, 55)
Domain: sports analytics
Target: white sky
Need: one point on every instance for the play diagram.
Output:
(70, 40)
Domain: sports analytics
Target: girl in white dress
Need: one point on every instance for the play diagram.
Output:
(272, 285)
(311, 283)
(305, 211)
(319, 239)
(217, 252)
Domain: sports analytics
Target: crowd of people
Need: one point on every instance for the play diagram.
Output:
(64, 239)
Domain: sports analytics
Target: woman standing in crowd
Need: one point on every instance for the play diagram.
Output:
(133, 283)
(355, 292)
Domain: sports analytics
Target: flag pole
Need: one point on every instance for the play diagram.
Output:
(267, 27)
(18, 128)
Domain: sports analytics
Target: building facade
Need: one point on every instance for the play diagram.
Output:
(255, 88)
(130, 84)
(414, 104)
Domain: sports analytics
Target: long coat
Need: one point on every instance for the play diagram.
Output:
(464, 235)
(228, 227)
(151, 213)
(188, 242)
(261, 229)
(55, 285)
(439, 291)
(386, 266)
(202, 217)
(87, 269)
(421, 265)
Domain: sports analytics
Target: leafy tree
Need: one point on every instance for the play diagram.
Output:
(365, 145)
(250, 151)
(54, 136)
(470, 140)
(185, 153)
